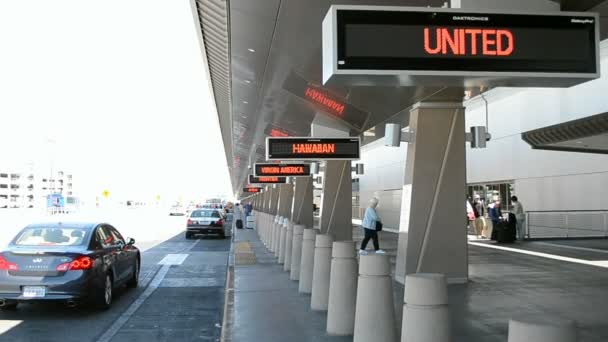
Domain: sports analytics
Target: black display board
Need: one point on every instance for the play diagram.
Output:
(282, 170)
(267, 180)
(312, 148)
(445, 40)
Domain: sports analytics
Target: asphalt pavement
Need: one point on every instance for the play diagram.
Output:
(180, 296)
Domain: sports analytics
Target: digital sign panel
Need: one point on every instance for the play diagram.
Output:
(267, 180)
(327, 102)
(312, 148)
(450, 42)
(282, 170)
(252, 190)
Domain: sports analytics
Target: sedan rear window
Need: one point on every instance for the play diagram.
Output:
(40, 236)
(205, 213)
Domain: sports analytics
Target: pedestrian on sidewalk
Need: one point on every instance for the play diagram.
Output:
(371, 222)
(238, 216)
(520, 217)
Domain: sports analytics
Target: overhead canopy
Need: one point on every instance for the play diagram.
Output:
(588, 135)
(253, 47)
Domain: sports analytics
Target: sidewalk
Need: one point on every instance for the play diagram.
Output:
(267, 305)
(502, 285)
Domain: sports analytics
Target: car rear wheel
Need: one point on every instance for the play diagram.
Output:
(188, 235)
(134, 281)
(103, 298)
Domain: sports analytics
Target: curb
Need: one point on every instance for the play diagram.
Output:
(228, 295)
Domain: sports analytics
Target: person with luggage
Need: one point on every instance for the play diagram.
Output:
(495, 215)
(238, 216)
(520, 217)
(371, 226)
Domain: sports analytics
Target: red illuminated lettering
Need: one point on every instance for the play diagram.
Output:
(323, 100)
(314, 148)
(461, 41)
(487, 42)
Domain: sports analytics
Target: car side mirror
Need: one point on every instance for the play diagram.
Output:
(131, 241)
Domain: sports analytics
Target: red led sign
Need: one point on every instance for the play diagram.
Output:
(278, 133)
(266, 180)
(284, 170)
(325, 100)
(252, 190)
(312, 148)
(464, 42)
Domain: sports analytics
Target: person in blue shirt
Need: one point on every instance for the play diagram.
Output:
(369, 227)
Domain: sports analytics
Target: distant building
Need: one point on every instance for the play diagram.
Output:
(26, 187)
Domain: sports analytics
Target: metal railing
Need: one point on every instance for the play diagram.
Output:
(567, 224)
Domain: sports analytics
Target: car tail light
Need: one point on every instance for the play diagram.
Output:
(80, 263)
(7, 265)
(219, 222)
(189, 221)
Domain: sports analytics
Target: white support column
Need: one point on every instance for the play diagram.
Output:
(432, 237)
(288, 246)
(301, 212)
(336, 199)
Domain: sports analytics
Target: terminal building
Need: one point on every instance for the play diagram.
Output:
(449, 102)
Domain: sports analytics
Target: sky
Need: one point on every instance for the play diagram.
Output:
(116, 92)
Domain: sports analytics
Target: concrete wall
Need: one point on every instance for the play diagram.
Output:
(384, 178)
(544, 180)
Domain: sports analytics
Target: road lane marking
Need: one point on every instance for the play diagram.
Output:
(132, 309)
(587, 249)
(173, 259)
(120, 322)
(599, 263)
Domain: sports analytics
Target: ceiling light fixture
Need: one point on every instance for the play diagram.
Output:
(251, 50)
(247, 81)
(245, 102)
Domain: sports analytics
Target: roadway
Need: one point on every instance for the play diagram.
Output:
(180, 296)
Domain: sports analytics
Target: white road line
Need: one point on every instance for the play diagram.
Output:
(173, 259)
(125, 316)
(603, 264)
(113, 330)
(573, 247)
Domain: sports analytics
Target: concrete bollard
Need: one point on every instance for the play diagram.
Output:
(321, 270)
(271, 233)
(542, 329)
(282, 236)
(277, 237)
(342, 289)
(296, 252)
(425, 312)
(375, 311)
(307, 260)
(288, 246)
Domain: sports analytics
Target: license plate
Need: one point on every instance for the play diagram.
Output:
(34, 291)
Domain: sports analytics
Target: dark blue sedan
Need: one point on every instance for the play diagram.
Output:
(67, 262)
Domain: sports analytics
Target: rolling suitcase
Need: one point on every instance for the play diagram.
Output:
(239, 224)
(504, 232)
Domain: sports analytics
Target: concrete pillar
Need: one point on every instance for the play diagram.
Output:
(336, 198)
(296, 252)
(545, 329)
(430, 236)
(288, 246)
(301, 212)
(307, 260)
(425, 312)
(282, 236)
(274, 201)
(342, 289)
(375, 311)
(275, 235)
(321, 271)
